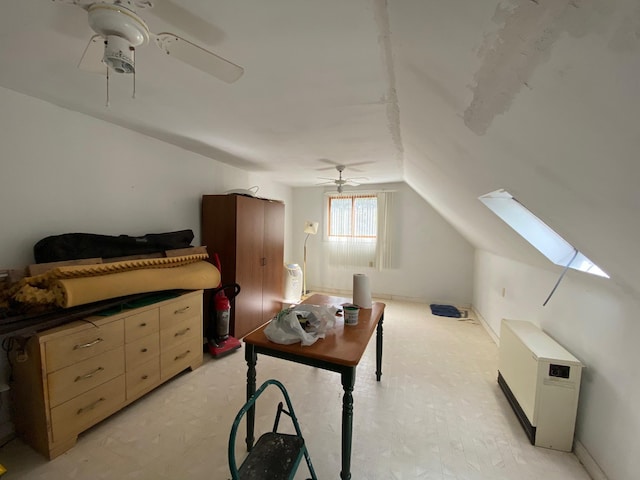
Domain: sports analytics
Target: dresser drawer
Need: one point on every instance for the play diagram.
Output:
(179, 310)
(179, 357)
(142, 350)
(87, 409)
(179, 332)
(141, 325)
(143, 378)
(73, 380)
(85, 343)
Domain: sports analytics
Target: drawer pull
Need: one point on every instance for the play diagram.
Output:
(143, 324)
(181, 310)
(182, 355)
(87, 345)
(144, 377)
(91, 406)
(88, 375)
(182, 332)
(144, 350)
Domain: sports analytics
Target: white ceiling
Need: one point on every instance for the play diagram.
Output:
(314, 87)
(455, 97)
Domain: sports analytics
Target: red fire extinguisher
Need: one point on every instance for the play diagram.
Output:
(222, 305)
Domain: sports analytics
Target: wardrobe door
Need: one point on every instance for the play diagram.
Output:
(249, 264)
(218, 233)
(273, 251)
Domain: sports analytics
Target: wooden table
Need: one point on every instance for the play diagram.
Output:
(340, 351)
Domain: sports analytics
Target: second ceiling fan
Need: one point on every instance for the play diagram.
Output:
(340, 182)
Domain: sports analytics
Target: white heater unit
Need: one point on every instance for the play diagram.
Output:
(541, 381)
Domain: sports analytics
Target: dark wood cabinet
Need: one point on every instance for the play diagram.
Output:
(247, 233)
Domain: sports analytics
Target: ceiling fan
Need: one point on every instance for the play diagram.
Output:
(333, 165)
(120, 30)
(341, 182)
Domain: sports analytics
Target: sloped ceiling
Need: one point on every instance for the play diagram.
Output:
(457, 98)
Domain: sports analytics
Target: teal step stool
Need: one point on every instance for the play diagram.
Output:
(275, 456)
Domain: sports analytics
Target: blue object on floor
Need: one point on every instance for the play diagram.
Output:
(445, 310)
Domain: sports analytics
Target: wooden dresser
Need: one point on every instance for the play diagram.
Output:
(68, 378)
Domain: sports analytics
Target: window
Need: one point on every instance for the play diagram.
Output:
(359, 232)
(353, 216)
(538, 233)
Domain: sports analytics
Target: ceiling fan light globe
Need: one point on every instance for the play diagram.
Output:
(118, 55)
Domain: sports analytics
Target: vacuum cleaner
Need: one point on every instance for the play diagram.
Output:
(218, 338)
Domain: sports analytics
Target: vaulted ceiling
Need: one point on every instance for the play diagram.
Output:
(456, 97)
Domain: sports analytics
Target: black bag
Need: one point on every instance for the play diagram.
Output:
(74, 246)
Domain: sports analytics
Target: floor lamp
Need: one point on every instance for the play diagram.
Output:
(310, 228)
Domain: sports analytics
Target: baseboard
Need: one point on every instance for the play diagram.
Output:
(381, 296)
(374, 295)
(588, 462)
(486, 326)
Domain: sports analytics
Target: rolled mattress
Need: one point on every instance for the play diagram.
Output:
(78, 285)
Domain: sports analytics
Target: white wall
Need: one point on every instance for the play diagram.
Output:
(64, 172)
(597, 322)
(434, 263)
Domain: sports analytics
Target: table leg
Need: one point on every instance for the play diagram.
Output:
(348, 381)
(251, 358)
(379, 349)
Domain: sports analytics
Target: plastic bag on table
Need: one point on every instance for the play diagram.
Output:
(302, 323)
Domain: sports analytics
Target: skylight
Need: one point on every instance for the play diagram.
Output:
(538, 233)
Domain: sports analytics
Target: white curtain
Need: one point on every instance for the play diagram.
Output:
(358, 251)
(384, 243)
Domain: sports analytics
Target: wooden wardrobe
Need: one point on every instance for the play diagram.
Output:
(247, 233)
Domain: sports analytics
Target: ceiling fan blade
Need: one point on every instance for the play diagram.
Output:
(328, 182)
(198, 57)
(91, 60)
(357, 179)
(194, 25)
(347, 166)
(79, 3)
(68, 22)
(357, 164)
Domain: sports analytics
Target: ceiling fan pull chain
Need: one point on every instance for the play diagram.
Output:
(107, 104)
(133, 54)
